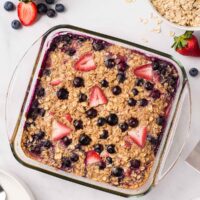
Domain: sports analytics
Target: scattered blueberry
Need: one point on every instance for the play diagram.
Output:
(36, 149)
(78, 124)
(98, 45)
(152, 140)
(139, 82)
(104, 83)
(102, 165)
(135, 164)
(71, 51)
(148, 85)
(66, 162)
(117, 172)
(78, 82)
(16, 24)
(41, 8)
(155, 94)
(74, 157)
(38, 136)
(50, 1)
(160, 120)
(121, 77)
(123, 127)
(112, 119)
(41, 111)
(122, 66)
(156, 65)
(101, 121)
(46, 72)
(67, 141)
(116, 90)
(110, 63)
(62, 94)
(51, 13)
(135, 91)
(133, 122)
(91, 113)
(111, 149)
(132, 102)
(40, 92)
(47, 144)
(104, 134)
(35, 103)
(84, 139)
(193, 72)
(59, 7)
(109, 160)
(9, 6)
(143, 102)
(81, 38)
(82, 97)
(98, 148)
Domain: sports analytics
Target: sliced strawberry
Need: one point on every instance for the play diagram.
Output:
(128, 141)
(55, 82)
(139, 136)
(68, 118)
(59, 130)
(92, 157)
(85, 63)
(27, 12)
(97, 97)
(144, 71)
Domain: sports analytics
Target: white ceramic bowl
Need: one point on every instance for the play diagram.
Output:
(188, 28)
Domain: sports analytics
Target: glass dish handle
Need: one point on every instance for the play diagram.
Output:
(178, 135)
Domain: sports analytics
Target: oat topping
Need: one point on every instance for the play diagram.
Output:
(99, 110)
(182, 12)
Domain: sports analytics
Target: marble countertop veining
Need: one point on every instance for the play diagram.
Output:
(120, 19)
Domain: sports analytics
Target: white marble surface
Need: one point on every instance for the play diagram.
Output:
(120, 19)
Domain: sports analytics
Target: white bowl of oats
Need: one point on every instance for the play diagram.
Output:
(183, 14)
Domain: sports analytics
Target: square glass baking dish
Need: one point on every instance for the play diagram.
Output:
(22, 86)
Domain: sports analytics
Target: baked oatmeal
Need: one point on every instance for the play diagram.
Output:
(99, 110)
(182, 12)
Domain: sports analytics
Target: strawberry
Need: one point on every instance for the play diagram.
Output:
(92, 157)
(68, 118)
(139, 136)
(187, 44)
(55, 82)
(59, 130)
(97, 97)
(144, 71)
(85, 63)
(27, 12)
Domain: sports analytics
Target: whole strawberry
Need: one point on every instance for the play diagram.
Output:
(187, 44)
(27, 12)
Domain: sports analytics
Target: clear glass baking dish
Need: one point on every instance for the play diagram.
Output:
(21, 89)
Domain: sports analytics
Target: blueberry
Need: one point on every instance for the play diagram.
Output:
(36, 149)
(33, 113)
(122, 66)
(81, 38)
(41, 111)
(110, 63)
(78, 124)
(101, 121)
(84, 139)
(41, 8)
(160, 120)
(152, 140)
(66, 162)
(78, 82)
(35, 103)
(155, 94)
(71, 51)
(51, 13)
(109, 160)
(116, 90)
(38, 136)
(148, 85)
(46, 72)
(98, 45)
(91, 113)
(143, 102)
(102, 165)
(111, 149)
(139, 82)
(156, 65)
(112, 119)
(67, 141)
(193, 72)
(9, 6)
(98, 148)
(135, 91)
(104, 134)
(16, 24)
(74, 157)
(123, 127)
(62, 94)
(133, 122)
(117, 172)
(47, 144)
(40, 92)
(132, 102)
(82, 97)
(59, 7)
(50, 1)
(135, 164)
(104, 83)
(52, 47)
(121, 77)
